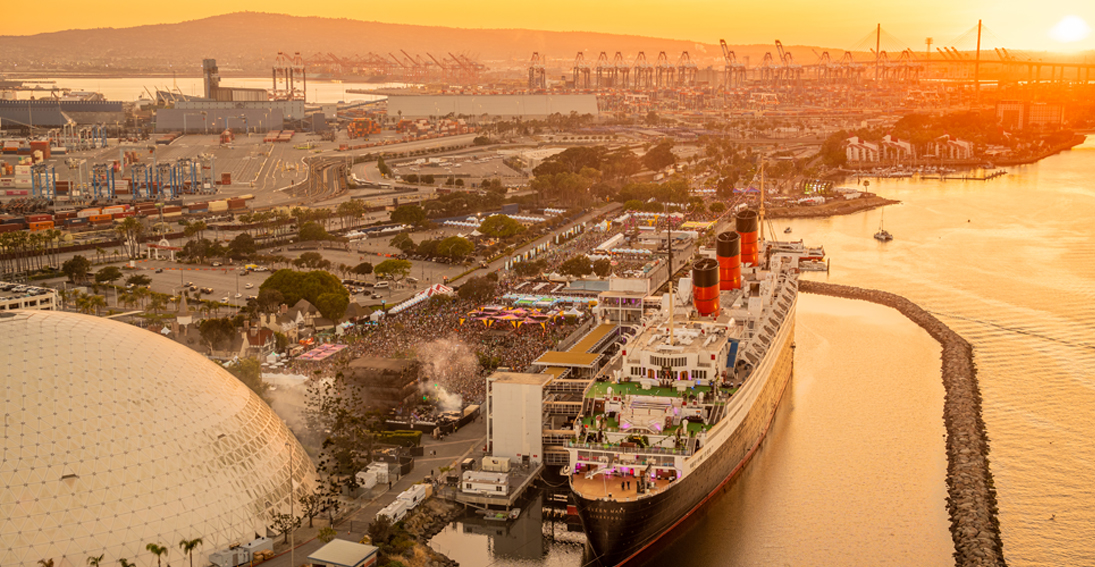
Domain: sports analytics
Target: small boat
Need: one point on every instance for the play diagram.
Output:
(499, 515)
(882, 235)
(787, 230)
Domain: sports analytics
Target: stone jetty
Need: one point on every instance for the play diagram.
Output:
(971, 498)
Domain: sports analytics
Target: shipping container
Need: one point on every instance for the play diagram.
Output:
(39, 218)
(172, 209)
(16, 192)
(234, 204)
(99, 219)
(171, 215)
(218, 206)
(113, 209)
(246, 197)
(86, 213)
(10, 227)
(75, 222)
(126, 214)
(64, 215)
(40, 225)
(226, 178)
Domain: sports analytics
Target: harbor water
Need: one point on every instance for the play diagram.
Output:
(129, 89)
(853, 470)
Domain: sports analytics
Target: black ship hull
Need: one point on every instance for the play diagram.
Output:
(618, 531)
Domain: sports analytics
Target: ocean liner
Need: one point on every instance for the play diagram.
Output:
(688, 398)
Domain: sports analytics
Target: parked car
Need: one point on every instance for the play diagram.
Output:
(412, 280)
(216, 264)
(382, 285)
(159, 270)
(249, 285)
(207, 290)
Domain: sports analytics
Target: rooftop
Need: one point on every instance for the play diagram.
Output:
(343, 553)
(520, 378)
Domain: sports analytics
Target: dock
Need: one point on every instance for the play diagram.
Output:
(520, 480)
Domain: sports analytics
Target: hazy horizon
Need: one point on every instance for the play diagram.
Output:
(1060, 26)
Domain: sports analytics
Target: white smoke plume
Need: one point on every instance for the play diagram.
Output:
(446, 363)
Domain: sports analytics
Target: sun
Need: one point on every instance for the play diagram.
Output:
(1070, 29)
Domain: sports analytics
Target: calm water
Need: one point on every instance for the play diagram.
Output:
(130, 89)
(852, 472)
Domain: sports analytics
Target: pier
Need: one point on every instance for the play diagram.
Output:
(971, 498)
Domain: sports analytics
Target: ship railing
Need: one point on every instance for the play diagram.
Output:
(619, 449)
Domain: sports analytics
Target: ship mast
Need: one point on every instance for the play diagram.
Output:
(761, 211)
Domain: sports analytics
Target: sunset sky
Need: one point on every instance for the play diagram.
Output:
(1058, 25)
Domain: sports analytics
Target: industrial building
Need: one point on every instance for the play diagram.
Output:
(217, 120)
(53, 113)
(516, 399)
(494, 106)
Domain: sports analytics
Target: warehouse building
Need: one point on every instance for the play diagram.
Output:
(494, 106)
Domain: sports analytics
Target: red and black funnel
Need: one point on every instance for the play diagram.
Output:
(728, 252)
(747, 225)
(705, 286)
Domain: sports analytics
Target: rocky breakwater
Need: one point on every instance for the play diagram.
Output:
(971, 499)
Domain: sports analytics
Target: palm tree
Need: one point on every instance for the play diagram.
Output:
(45, 562)
(93, 561)
(188, 547)
(97, 302)
(158, 550)
(125, 563)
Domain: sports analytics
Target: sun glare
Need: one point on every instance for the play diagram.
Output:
(1070, 29)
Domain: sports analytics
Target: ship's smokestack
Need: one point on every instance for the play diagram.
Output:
(705, 286)
(728, 251)
(746, 224)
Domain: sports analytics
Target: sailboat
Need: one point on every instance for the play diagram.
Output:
(883, 235)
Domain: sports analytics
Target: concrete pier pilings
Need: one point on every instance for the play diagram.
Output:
(971, 499)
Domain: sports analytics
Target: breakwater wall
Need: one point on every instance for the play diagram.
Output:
(971, 495)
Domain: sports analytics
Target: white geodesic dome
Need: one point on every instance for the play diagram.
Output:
(114, 437)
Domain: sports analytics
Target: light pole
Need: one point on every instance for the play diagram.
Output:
(205, 122)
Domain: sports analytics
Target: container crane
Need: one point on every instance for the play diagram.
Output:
(734, 73)
(537, 71)
(623, 70)
(644, 73)
(664, 72)
(581, 71)
(686, 70)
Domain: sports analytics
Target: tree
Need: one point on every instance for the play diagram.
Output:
(717, 207)
(312, 231)
(380, 530)
(397, 269)
(427, 248)
(139, 280)
(312, 260)
(311, 286)
(403, 242)
(188, 546)
(242, 245)
(660, 156)
(109, 274)
(409, 214)
(310, 505)
(529, 269)
(501, 226)
(455, 247)
(123, 562)
(332, 305)
(577, 266)
(283, 524)
(249, 371)
(216, 331)
(269, 300)
(478, 289)
(326, 534)
(130, 230)
(602, 267)
(46, 562)
(76, 268)
(157, 550)
(363, 269)
(383, 167)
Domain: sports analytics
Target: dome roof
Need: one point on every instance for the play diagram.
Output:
(115, 437)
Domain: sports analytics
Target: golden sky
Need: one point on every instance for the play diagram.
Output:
(1059, 25)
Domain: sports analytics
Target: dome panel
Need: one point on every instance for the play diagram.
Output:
(118, 437)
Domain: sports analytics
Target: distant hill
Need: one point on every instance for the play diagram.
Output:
(248, 42)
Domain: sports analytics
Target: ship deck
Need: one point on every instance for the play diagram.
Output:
(602, 486)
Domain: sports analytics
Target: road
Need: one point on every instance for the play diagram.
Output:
(466, 442)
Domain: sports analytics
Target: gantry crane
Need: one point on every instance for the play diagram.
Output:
(581, 71)
(537, 71)
(734, 73)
